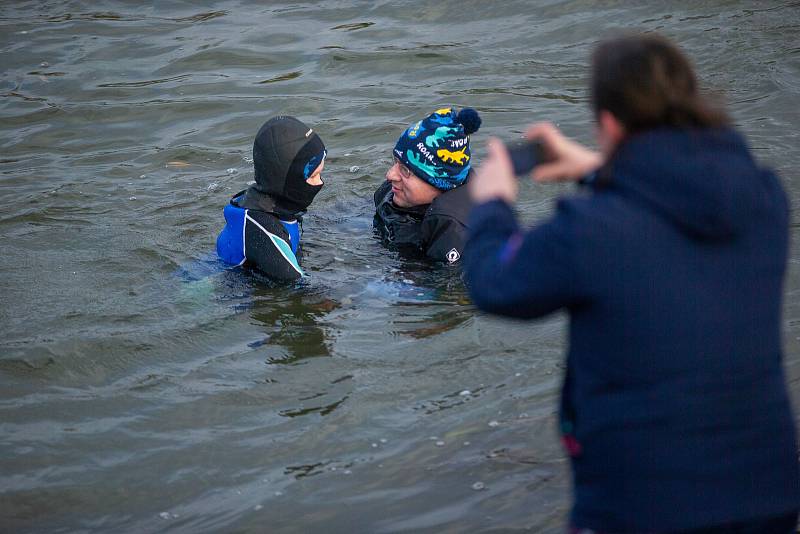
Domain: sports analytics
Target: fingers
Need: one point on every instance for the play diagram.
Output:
(494, 178)
(497, 151)
(551, 138)
(544, 131)
(498, 161)
(565, 158)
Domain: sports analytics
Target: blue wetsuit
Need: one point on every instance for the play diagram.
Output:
(260, 239)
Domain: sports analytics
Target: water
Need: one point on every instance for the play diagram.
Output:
(145, 390)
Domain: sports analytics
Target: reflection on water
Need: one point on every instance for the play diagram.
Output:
(296, 326)
(146, 387)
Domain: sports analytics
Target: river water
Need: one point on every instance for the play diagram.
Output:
(144, 389)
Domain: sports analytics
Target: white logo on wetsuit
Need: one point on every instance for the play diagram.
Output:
(453, 256)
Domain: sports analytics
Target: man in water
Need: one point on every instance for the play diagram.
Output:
(422, 209)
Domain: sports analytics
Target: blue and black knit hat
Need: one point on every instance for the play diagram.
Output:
(436, 148)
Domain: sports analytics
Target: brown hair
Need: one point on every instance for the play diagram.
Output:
(645, 81)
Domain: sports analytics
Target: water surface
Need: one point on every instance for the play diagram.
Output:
(144, 389)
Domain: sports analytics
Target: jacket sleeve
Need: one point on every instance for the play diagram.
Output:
(518, 274)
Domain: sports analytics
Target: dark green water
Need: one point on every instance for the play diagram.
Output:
(373, 399)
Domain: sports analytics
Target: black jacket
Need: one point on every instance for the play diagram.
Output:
(437, 230)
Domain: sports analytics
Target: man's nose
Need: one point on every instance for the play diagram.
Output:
(392, 175)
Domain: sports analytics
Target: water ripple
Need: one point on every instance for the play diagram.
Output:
(145, 83)
(152, 388)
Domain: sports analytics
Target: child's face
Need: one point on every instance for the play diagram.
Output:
(316, 176)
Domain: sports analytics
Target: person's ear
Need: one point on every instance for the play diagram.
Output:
(611, 131)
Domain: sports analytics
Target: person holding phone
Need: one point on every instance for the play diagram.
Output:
(674, 408)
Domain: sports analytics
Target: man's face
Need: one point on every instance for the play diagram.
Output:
(409, 190)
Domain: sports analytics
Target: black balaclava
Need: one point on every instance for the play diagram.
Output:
(285, 153)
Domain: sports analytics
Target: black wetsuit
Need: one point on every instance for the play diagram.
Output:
(437, 230)
(258, 233)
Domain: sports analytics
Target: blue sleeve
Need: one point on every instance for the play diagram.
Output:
(520, 274)
(293, 229)
(230, 243)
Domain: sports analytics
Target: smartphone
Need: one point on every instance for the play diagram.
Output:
(525, 155)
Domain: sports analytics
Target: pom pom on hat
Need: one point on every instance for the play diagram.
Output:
(470, 120)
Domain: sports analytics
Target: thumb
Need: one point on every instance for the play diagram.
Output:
(494, 147)
(498, 152)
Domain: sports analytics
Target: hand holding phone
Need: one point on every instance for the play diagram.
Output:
(525, 155)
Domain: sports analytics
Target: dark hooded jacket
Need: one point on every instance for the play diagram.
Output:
(437, 230)
(263, 223)
(674, 407)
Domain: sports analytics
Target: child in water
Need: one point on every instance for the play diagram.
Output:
(263, 223)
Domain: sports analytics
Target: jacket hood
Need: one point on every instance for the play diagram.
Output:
(704, 181)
